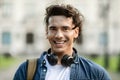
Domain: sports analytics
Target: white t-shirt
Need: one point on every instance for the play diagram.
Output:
(57, 72)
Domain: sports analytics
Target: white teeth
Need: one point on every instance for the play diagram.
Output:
(59, 42)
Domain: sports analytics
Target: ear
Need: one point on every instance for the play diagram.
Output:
(76, 32)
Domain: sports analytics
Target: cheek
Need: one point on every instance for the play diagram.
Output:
(49, 36)
(71, 36)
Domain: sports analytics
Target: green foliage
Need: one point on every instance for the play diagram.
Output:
(6, 62)
(113, 62)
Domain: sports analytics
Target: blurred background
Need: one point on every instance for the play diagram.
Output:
(22, 33)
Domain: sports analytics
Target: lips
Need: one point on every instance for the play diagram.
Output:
(59, 43)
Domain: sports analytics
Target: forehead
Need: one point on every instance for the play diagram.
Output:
(60, 21)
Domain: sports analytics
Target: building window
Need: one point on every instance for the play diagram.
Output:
(103, 39)
(6, 38)
(30, 5)
(30, 38)
(7, 8)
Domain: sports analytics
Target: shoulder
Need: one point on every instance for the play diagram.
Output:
(89, 63)
(21, 72)
(95, 69)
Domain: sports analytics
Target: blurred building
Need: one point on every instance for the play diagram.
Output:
(22, 28)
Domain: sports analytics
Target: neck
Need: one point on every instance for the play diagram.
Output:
(60, 55)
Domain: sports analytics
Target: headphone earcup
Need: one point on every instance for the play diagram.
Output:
(52, 59)
(67, 60)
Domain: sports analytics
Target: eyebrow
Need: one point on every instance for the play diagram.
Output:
(55, 26)
(52, 26)
(65, 26)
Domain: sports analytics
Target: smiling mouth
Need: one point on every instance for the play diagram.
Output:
(59, 42)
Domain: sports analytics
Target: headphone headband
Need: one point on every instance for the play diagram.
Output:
(65, 61)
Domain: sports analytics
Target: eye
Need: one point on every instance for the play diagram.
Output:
(66, 28)
(52, 28)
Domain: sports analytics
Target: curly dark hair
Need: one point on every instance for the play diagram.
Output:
(67, 11)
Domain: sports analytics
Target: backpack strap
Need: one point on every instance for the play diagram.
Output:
(32, 64)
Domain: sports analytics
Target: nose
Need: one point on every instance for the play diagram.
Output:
(59, 34)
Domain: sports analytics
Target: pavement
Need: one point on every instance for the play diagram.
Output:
(7, 74)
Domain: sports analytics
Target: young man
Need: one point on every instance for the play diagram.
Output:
(61, 61)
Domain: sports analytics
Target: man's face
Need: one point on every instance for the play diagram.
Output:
(60, 34)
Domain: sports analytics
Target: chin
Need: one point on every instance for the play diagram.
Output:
(58, 50)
